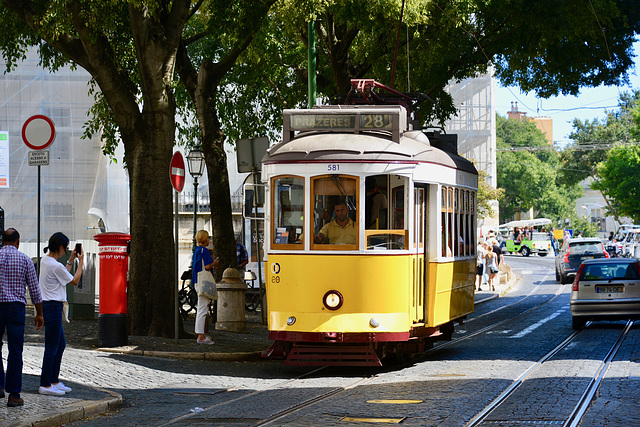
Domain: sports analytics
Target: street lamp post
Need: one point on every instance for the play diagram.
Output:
(195, 161)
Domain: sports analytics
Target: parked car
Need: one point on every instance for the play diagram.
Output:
(606, 289)
(573, 252)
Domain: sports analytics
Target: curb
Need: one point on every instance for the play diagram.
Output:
(227, 357)
(77, 411)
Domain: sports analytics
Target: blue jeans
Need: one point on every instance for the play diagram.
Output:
(12, 319)
(54, 342)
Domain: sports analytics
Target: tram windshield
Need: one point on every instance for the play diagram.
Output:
(335, 208)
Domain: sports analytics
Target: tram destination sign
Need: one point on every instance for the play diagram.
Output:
(346, 119)
(341, 121)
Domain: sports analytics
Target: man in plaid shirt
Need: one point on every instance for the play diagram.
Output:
(16, 273)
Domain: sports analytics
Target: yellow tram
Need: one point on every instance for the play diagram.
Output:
(370, 238)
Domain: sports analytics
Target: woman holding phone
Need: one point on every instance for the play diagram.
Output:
(54, 277)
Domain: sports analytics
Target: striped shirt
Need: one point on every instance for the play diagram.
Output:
(16, 272)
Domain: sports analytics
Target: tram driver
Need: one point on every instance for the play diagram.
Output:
(342, 230)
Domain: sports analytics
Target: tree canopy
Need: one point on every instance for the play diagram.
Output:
(593, 138)
(528, 172)
(552, 47)
(618, 177)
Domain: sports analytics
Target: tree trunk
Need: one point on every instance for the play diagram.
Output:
(151, 272)
(219, 192)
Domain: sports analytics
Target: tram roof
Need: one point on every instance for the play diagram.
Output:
(374, 146)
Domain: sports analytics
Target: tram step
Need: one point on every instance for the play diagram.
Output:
(332, 355)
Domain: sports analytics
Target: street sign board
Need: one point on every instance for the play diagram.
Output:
(39, 158)
(176, 171)
(38, 132)
(250, 152)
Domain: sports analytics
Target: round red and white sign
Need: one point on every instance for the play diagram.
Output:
(176, 171)
(38, 132)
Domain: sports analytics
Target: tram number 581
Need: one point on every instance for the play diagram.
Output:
(333, 168)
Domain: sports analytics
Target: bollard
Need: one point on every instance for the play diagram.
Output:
(230, 312)
(113, 329)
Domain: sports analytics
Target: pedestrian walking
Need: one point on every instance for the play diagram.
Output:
(16, 274)
(202, 256)
(498, 251)
(491, 266)
(54, 277)
(242, 256)
(480, 264)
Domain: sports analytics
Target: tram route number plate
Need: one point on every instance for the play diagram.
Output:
(609, 289)
(39, 158)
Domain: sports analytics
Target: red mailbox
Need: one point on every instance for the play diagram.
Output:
(114, 265)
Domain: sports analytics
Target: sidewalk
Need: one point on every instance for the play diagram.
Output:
(85, 401)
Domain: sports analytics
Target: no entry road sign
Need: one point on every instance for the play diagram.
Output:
(176, 171)
(38, 132)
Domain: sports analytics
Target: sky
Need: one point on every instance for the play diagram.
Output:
(589, 104)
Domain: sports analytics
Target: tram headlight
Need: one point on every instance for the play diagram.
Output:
(291, 320)
(332, 300)
(374, 323)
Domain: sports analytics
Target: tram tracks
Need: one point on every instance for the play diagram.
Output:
(289, 383)
(480, 331)
(580, 408)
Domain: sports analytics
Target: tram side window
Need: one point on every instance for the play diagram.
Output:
(288, 211)
(376, 203)
(388, 232)
(335, 203)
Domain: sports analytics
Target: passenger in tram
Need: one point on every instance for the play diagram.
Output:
(375, 206)
(342, 230)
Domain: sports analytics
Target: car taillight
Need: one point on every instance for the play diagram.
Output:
(566, 256)
(637, 267)
(606, 254)
(574, 287)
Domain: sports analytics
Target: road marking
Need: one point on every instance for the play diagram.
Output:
(538, 324)
(394, 401)
(373, 420)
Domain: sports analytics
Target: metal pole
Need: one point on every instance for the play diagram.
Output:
(175, 286)
(263, 301)
(312, 64)
(38, 237)
(195, 212)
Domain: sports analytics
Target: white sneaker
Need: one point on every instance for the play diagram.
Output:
(51, 391)
(62, 386)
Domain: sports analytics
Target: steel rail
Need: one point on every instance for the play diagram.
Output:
(587, 397)
(576, 415)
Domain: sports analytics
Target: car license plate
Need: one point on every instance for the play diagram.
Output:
(609, 289)
(585, 257)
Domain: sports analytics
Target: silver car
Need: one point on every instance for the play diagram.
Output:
(606, 288)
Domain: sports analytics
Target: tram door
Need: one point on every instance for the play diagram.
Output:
(419, 245)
